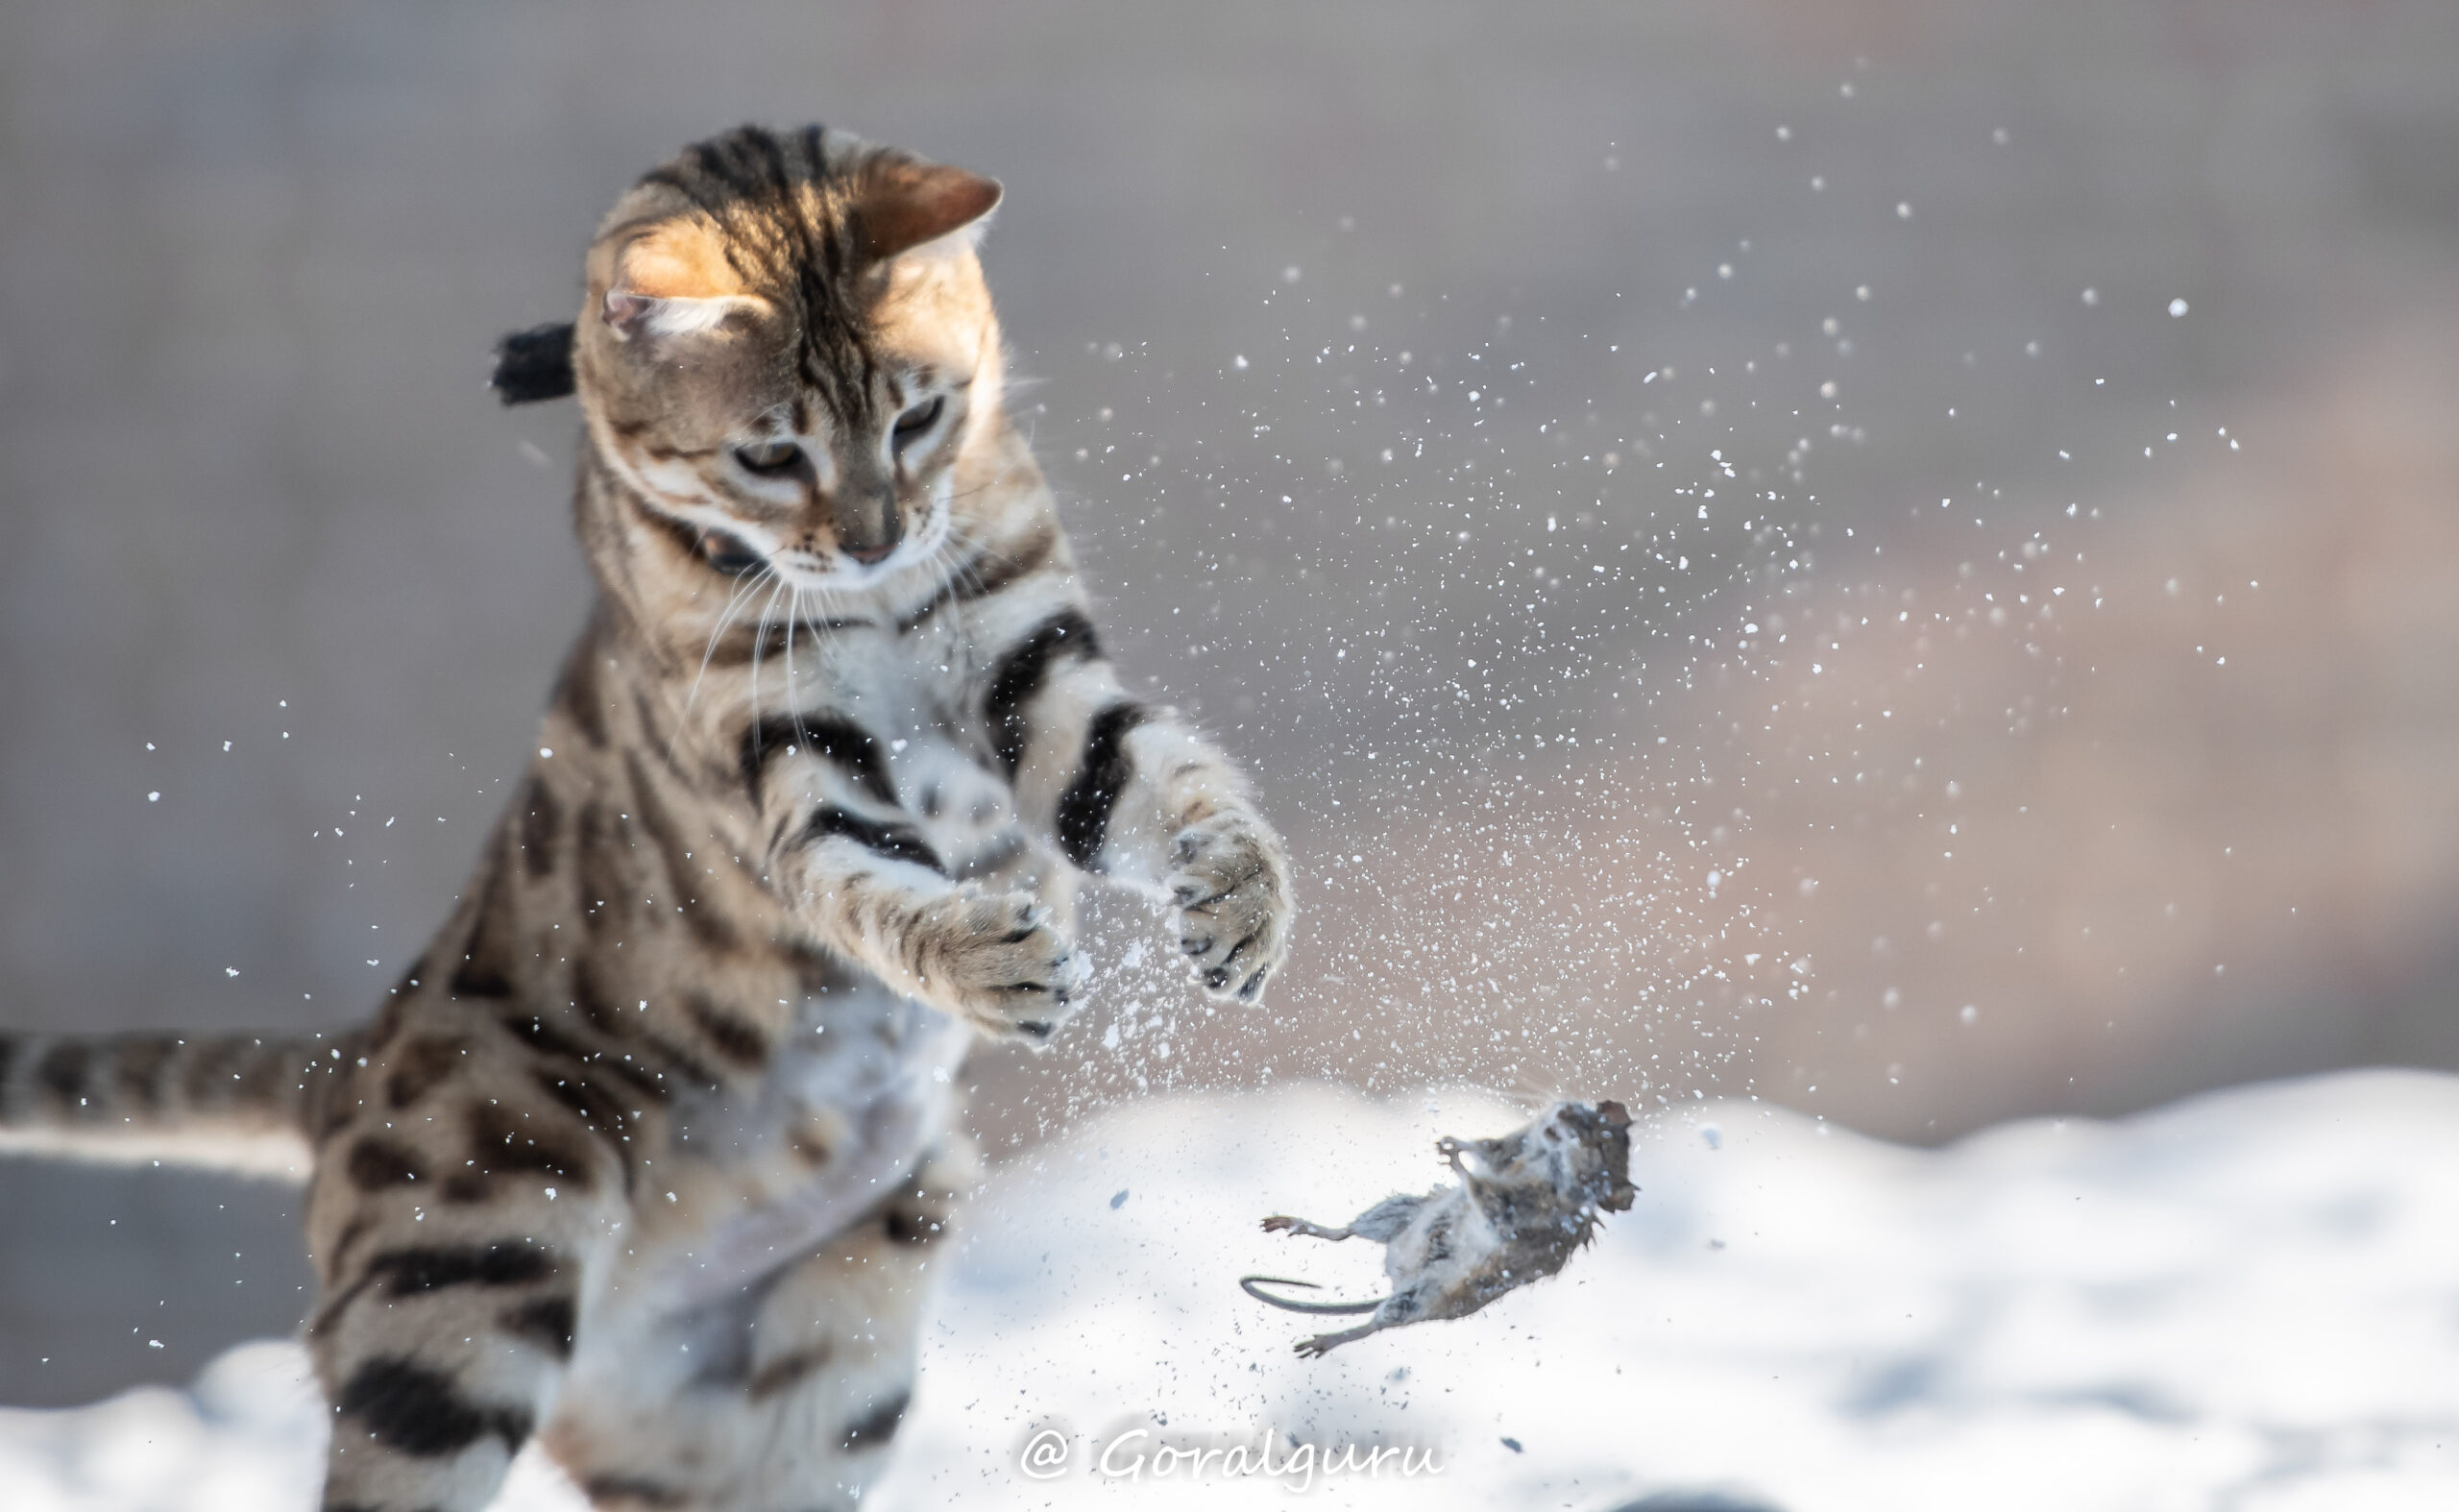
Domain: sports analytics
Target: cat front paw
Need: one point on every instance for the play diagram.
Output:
(997, 960)
(1230, 883)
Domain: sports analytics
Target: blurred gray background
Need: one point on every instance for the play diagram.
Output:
(1700, 517)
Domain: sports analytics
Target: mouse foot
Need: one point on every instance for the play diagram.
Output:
(1323, 1343)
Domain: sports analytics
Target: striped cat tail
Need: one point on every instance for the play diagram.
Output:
(237, 1102)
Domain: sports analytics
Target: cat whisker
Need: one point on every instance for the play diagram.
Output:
(759, 639)
(740, 596)
(794, 703)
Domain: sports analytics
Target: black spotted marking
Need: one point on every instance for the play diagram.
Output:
(1083, 817)
(1020, 676)
(377, 1164)
(604, 1012)
(603, 880)
(490, 955)
(542, 822)
(351, 1232)
(62, 1071)
(546, 1038)
(640, 1070)
(990, 573)
(904, 1226)
(137, 1068)
(820, 972)
(734, 1037)
(420, 1066)
(407, 1271)
(330, 1108)
(656, 737)
(418, 1411)
(591, 1103)
(552, 1042)
(788, 1370)
(596, 1110)
(504, 1142)
(547, 1321)
(684, 874)
(415, 1270)
(579, 696)
(878, 1424)
(894, 842)
(207, 1080)
(534, 365)
(775, 636)
(613, 1487)
(853, 749)
(809, 1148)
(680, 1063)
(270, 1072)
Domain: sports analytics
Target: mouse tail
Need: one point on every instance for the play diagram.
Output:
(1248, 1283)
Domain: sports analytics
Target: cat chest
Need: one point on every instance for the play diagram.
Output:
(923, 745)
(756, 1178)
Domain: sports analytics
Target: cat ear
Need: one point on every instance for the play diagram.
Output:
(907, 206)
(672, 282)
(534, 364)
(629, 314)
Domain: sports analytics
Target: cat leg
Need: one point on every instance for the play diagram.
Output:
(1128, 790)
(853, 864)
(455, 1239)
(442, 1341)
(799, 1412)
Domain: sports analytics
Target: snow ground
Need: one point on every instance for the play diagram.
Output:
(2250, 1301)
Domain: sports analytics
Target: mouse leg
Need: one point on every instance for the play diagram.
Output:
(1383, 1222)
(1401, 1307)
(1323, 1343)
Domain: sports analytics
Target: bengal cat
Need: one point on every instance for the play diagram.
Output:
(646, 1155)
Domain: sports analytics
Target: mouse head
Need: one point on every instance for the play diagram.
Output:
(1581, 1152)
(1603, 1131)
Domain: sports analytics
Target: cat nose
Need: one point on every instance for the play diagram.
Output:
(868, 526)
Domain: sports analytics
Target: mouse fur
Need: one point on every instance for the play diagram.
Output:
(1525, 1201)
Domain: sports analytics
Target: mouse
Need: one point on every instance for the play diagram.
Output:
(1526, 1200)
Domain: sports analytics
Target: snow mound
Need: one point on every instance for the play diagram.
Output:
(2250, 1301)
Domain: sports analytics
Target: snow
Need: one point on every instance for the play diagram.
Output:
(2248, 1301)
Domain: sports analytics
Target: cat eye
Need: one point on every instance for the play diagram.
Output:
(769, 459)
(918, 420)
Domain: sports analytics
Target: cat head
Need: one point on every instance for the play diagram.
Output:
(785, 351)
